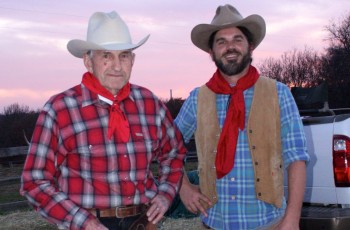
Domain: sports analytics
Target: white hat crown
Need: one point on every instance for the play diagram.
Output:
(106, 31)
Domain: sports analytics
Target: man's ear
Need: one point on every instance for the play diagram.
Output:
(251, 48)
(88, 63)
(133, 59)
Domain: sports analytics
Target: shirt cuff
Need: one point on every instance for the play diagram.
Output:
(80, 219)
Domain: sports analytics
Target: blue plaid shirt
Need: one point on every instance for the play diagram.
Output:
(238, 207)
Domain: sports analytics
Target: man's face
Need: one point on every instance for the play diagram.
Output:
(111, 68)
(231, 51)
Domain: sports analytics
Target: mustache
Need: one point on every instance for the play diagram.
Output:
(233, 51)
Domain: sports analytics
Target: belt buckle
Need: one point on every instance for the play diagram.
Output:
(120, 212)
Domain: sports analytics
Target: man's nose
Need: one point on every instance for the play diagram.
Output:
(231, 45)
(116, 64)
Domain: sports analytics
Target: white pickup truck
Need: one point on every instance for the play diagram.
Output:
(327, 194)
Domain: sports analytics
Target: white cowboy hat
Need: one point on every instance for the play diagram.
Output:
(106, 31)
(228, 16)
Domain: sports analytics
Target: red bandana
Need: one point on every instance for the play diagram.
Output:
(118, 123)
(235, 117)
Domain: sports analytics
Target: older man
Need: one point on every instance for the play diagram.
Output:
(247, 130)
(89, 163)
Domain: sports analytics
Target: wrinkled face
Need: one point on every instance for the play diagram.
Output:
(231, 51)
(111, 68)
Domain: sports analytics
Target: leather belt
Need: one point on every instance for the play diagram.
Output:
(119, 212)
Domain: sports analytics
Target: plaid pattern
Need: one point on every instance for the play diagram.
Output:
(238, 207)
(70, 143)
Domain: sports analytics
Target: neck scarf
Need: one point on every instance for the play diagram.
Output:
(118, 123)
(235, 117)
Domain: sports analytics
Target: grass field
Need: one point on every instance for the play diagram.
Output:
(10, 193)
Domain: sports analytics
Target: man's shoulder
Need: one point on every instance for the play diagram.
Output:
(194, 92)
(73, 92)
(61, 99)
(139, 92)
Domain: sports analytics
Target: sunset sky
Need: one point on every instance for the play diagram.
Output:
(35, 63)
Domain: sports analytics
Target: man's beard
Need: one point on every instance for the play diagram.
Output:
(232, 67)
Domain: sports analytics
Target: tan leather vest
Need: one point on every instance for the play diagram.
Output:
(263, 130)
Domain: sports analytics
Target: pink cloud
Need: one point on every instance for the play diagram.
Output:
(33, 37)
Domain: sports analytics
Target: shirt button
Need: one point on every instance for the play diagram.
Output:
(233, 197)
(125, 156)
(232, 179)
(90, 146)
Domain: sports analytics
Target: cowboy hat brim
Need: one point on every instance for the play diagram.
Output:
(79, 47)
(254, 23)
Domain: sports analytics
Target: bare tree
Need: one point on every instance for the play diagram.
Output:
(339, 33)
(307, 68)
(336, 62)
(272, 68)
(294, 68)
(16, 109)
(16, 121)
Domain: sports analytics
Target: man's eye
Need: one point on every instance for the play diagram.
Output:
(125, 56)
(221, 42)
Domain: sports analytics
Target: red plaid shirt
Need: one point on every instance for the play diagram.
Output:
(73, 166)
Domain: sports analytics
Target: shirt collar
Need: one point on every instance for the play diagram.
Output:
(90, 98)
(102, 98)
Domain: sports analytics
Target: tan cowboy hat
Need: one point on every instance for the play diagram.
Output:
(106, 31)
(228, 16)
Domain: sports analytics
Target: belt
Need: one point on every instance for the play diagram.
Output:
(119, 212)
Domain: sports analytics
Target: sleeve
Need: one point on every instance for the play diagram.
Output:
(39, 174)
(292, 131)
(186, 120)
(171, 157)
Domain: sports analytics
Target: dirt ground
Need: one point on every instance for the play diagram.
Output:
(30, 220)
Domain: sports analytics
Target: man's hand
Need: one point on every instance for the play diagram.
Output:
(94, 224)
(287, 224)
(191, 195)
(159, 205)
(296, 188)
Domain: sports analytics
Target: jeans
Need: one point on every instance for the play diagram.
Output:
(138, 222)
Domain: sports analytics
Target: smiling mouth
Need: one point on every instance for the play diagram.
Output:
(231, 56)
